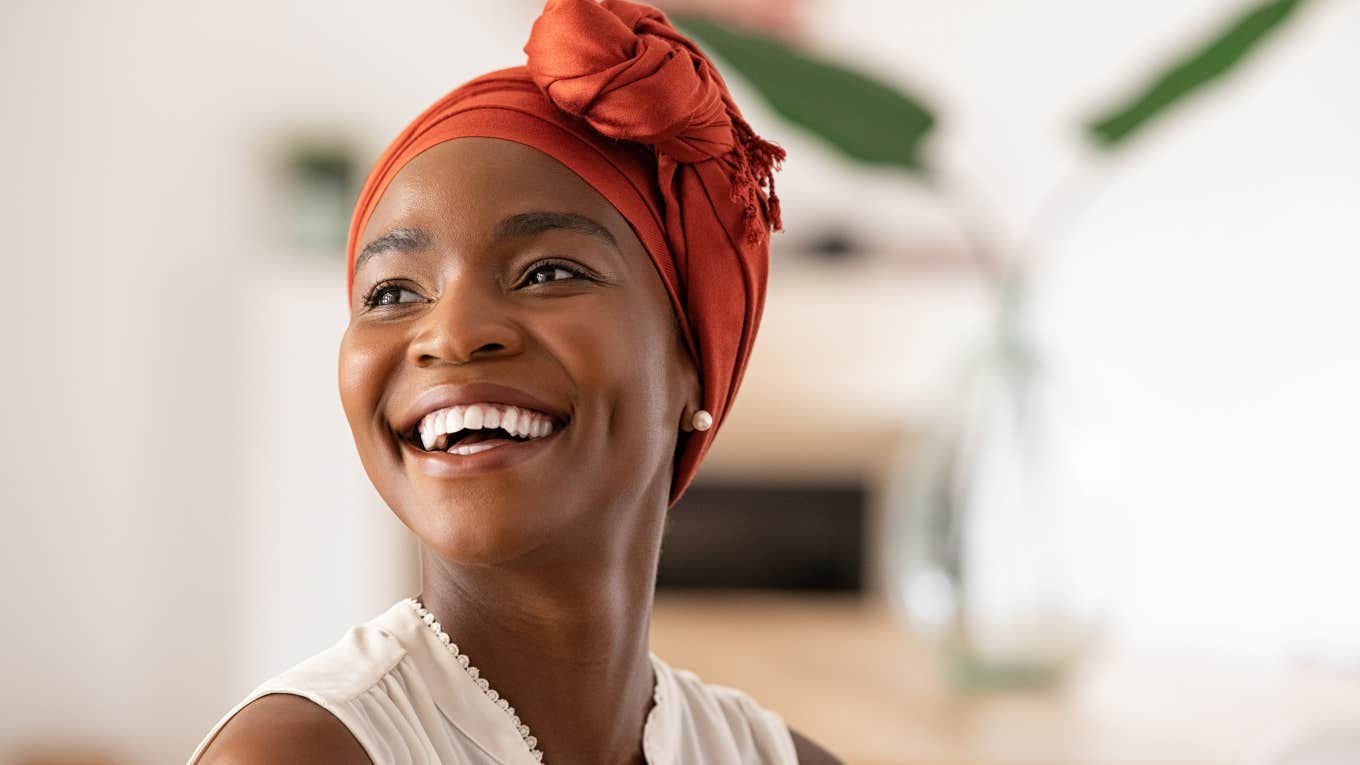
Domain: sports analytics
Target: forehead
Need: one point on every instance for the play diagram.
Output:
(464, 186)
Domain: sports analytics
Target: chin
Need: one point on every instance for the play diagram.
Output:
(482, 528)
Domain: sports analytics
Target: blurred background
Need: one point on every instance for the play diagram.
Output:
(1047, 452)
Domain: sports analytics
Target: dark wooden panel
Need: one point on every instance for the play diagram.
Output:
(766, 537)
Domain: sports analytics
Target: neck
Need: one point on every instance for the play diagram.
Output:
(565, 643)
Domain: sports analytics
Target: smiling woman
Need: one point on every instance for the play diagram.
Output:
(556, 274)
(493, 290)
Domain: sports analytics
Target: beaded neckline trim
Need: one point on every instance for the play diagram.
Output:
(475, 674)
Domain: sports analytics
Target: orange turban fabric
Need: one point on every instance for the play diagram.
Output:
(615, 93)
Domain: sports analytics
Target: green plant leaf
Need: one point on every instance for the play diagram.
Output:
(1192, 72)
(860, 116)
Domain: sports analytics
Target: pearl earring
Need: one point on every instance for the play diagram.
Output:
(702, 420)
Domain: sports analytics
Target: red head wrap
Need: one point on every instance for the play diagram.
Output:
(615, 93)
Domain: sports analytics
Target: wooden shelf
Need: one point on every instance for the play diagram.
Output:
(850, 357)
(843, 671)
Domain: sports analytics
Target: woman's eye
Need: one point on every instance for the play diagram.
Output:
(391, 294)
(554, 273)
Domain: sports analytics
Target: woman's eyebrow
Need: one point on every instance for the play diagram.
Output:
(538, 221)
(407, 239)
(399, 239)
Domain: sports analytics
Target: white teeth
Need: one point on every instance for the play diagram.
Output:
(474, 448)
(436, 427)
(472, 418)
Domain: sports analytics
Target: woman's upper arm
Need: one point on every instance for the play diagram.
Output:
(810, 753)
(284, 727)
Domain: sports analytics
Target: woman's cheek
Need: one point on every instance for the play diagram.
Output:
(362, 375)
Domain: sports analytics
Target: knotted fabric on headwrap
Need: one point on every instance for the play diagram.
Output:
(615, 93)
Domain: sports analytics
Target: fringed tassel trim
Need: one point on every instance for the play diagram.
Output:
(753, 186)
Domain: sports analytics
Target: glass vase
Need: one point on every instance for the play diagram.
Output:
(983, 563)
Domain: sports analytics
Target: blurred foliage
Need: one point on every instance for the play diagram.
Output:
(1208, 61)
(872, 121)
(864, 118)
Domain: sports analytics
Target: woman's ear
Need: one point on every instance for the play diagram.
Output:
(687, 383)
(694, 403)
(687, 418)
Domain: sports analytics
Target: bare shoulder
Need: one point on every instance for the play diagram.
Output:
(283, 727)
(810, 752)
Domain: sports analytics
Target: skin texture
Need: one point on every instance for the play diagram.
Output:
(544, 571)
(284, 728)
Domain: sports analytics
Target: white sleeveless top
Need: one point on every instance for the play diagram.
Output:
(409, 700)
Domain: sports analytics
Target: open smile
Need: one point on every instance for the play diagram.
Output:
(452, 430)
(491, 454)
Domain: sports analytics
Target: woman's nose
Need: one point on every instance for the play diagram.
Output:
(468, 320)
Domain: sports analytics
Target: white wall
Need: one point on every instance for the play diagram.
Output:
(1204, 302)
(140, 538)
(1197, 293)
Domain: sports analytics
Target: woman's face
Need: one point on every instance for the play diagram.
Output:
(489, 262)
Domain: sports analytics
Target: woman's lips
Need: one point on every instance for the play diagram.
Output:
(450, 395)
(506, 454)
